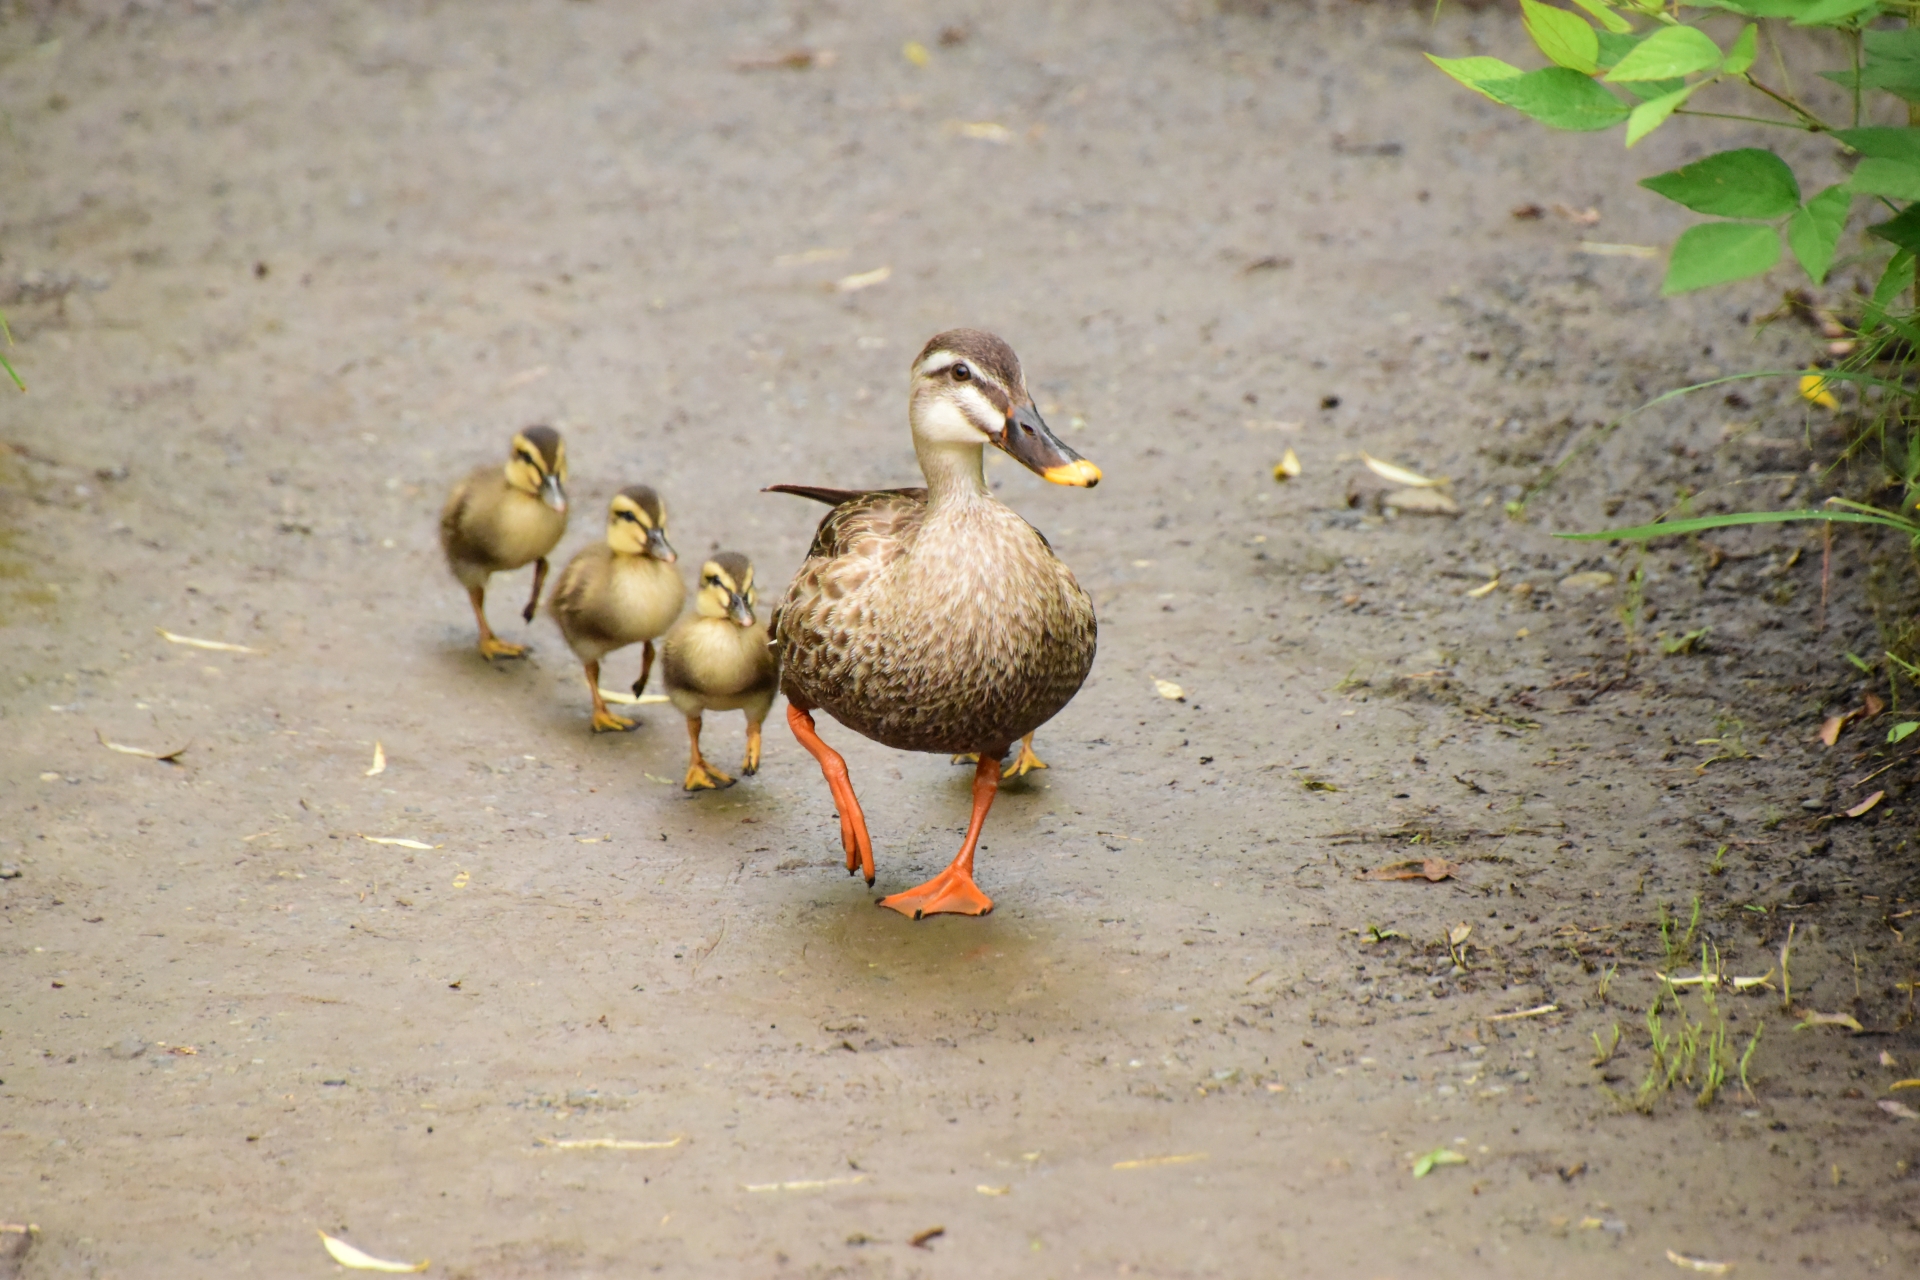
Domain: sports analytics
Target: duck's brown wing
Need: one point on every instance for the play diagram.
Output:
(863, 521)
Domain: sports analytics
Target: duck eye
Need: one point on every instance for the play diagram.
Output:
(961, 373)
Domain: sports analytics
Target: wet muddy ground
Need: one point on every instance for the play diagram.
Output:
(279, 273)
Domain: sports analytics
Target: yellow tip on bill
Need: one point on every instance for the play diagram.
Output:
(1079, 472)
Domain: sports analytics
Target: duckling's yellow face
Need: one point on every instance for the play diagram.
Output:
(637, 524)
(968, 390)
(726, 589)
(537, 465)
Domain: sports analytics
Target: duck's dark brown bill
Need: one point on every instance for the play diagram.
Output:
(1029, 440)
(657, 546)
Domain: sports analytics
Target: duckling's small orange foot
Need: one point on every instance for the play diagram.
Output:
(493, 647)
(702, 776)
(951, 893)
(1023, 763)
(607, 722)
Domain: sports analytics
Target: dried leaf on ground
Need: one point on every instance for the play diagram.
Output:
(921, 1239)
(1459, 934)
(1592, 580)
(195, 642)
(986, 1190)
(169, 756)
(863, 280)
(1154, 1162)
(1168, 689)
(805, 1184)
(605, 1144)
(1538, 1011)
(983, 130)
(1897, 1084)
(1397, 474)
(791, 60)
(1435, 869)
(1866, 804)
(625, 699)
(348, 1256)
(1830, 728)
(1813, 1018)
(1427, 1163)
(1421, 502)
(1485, 589)
(1899, 1110)
(401, 841)
(1288, 467)
(379, 765)
(1702, 1265)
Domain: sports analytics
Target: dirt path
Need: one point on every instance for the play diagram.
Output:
(279, 272)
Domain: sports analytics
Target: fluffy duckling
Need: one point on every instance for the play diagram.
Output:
(937, 619)
(622, 591)
(719, 659)
(498, 519)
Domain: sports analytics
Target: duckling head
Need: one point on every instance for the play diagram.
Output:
(538, 465)
(968, 390)
(637, 524)
(726, 589)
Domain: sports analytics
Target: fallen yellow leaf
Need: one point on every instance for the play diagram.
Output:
(169, 756)
(626, 699)
(984, 130)
(1154, 1162)
(379, 761)
(1485, 589)
(1398, 475)
(1421, 502)
(805, 1184)
(197, 643)
(1288, 467)
(605, 1144)
(864, 280)
(1701, 1265)
(348, 1256)
(402, 841)
(986, 1190)
(1169, 690)
(1813, 389)
(1810, 1018)
(1866, 804)
(916, 53)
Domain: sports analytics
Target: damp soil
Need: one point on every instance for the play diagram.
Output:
(277, 274)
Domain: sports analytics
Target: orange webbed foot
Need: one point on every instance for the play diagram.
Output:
(952, 892)
(1025, 762)
(494, 647)
(702, 776)
(605, 721)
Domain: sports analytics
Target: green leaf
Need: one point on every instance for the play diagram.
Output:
(1902, 44)
(1901, 79)
(1558, 98)
(1475, 72)
(1717, 252)
(1815, 230)
(1616, 45)
(1653, 113)
(1745, 46)
(1434, 1159)
(1903, 230)
(1832, 13)
(1566, 39)
(1755, 8)
(1748, 183)
(1668, 52)
(1900, 732)
(1897, 178)
(1667, 528)
(1608, 18)
(1895, 280)
(1884, 142)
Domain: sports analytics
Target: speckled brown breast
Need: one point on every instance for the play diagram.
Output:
(944, 630)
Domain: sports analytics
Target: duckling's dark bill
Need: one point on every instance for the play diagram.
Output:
(1030, 441)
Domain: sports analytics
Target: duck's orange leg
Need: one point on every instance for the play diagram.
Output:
(491, 646)
(853, 823)
(953, 890)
